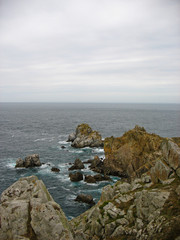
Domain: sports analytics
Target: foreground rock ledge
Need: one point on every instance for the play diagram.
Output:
(28, 211)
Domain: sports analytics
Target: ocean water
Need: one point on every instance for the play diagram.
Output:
(43, 128)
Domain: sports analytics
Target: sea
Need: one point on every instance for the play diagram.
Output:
(43, 128)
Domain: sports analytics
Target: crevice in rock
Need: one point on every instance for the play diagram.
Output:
(30, 232)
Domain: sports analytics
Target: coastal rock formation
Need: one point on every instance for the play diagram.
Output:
(85, 198)
(85, 137)
(55, 169)
(29, 161)
(76, 177)
(132, 154)
(96, 178)
(145, 206)
(77, 165)
(28, 211)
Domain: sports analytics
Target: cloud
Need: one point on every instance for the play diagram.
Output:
(128, 47)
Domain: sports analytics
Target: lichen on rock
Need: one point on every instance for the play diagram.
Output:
(84, 136)
(27, 210)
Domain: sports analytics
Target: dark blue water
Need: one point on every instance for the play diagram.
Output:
(27, 128)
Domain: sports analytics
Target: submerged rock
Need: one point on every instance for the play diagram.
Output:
(85, 137)
(85, 198)
(28, 211)
(29, 161)
(55, 169)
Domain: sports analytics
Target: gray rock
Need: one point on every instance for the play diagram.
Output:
(85, 137)
(30, 161)
(27, 209)
(171, 153)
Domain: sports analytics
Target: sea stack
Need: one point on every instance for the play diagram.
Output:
(85, 137)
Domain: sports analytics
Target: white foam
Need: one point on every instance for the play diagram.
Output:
(40, 139)
(52, 188)
(75, 151)
(11, 165)
(64, 142)
(98, 150)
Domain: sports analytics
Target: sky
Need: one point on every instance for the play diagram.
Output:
(90, 51)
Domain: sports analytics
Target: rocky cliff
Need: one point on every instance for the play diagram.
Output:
(144, 206)
(85, 137)
(132, 154)
(28, 212)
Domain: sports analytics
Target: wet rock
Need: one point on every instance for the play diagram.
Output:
(55, 169)
(63, 147)
(29, 161)
(78, 164)
(85, 198)
(97, 165)
(89, 179)
(76, 177)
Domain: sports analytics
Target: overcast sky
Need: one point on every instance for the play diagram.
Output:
(90, 51)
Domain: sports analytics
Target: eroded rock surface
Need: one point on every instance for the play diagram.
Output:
(29, 161)
(28, 211)
(85, 137)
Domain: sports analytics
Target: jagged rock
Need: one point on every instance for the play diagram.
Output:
(85, 137)
(96, 178)
(77, 165)
(55, 169)
(19, 163)
(160, 172)
(76, 177)
(89, 179)
(29, 161)
(97, 165)
(132, 154)
(171, 153)
(28, 211)
(85, 198)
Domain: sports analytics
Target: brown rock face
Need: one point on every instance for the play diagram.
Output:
(133, 154)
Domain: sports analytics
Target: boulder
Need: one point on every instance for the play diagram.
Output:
(89, 179)
(77, 165)
(29, 161)
(85, 198)
(28, 211)
(85, 137)
(55, 169)
(76, 177)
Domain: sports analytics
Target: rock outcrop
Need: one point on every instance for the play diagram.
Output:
(29, 161)
(78, 164)
(145, 206)
(76, 177)
(132, 154)
(85, 198)
(85, 137)
(28, 211)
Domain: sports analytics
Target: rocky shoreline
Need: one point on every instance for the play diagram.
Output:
(145, 204)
